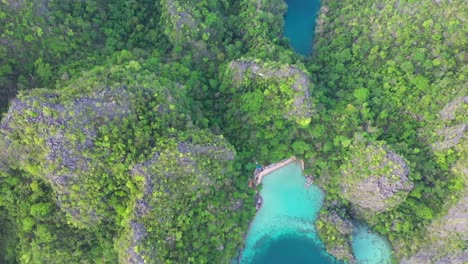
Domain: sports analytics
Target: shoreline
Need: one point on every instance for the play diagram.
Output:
(275, 166)
(258, 179)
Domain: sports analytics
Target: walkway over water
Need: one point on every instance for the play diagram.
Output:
(285, 220)
(271, 168)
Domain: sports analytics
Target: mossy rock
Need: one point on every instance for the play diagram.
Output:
(374, 178)
(78, 139)
(178, 186)
(336, 231)
(288, 84)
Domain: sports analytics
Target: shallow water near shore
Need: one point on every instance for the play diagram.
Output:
(283, 231)
(299, 24)
(370, 248)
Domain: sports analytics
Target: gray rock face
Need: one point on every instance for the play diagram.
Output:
(138, 234)
(450, 130)
(454, 259)
(189, 27)
(455, 222)
(451, 136)
(163, 178)
(54, 133)
(449, 111)
(345, 228)
(375, 179)
(182, 19)
(446, 237)
(300, 85)
(214, 151)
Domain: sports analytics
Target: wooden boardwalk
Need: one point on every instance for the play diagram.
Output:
(270, 168)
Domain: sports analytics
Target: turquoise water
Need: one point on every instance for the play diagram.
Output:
(283, 231)
(299, 23)
(370, 248)
(291, 249)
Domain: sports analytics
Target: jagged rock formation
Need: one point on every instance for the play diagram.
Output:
(292, 83)
(375, 178)
(125, 163)
(181, 24)
(189, 24)
(447, 236)
(336, 231)
(175, 174)
(451, 136)
(78, 138)
(450, 110)
(450, 130)
(52, 134)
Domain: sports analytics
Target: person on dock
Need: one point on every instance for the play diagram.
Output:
(258, 167)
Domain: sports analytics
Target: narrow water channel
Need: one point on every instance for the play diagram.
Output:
(299, 25)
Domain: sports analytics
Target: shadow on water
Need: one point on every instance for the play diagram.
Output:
(292, 249)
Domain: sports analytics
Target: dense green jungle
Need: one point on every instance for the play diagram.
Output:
(130, 129)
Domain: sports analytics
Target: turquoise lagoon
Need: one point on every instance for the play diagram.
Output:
(299, 24)
(369, 247)
(283, 230)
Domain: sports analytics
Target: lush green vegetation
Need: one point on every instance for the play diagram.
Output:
(389, 78)
(139, 142)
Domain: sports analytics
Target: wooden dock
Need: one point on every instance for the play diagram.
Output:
(270, 168)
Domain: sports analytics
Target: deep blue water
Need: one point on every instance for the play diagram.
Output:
(299, 25)
(292, 249)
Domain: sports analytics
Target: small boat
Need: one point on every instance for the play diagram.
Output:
(259, 202)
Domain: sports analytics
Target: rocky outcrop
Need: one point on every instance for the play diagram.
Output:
(375, 178)
(171, 176)
(214, 151)
(451, 136)
(178, 16)
(293, 83)
(447, 236)
(320, 22)
(450, 110)
(52, 135)
(452, 126)
(336, 231)
(189, 24)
